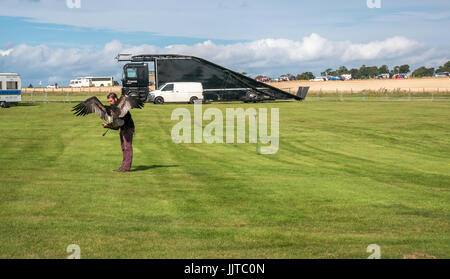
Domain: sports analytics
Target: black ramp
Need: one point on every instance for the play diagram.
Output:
(302, 91)
(218, 82)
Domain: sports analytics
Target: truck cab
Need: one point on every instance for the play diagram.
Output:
(135, 80)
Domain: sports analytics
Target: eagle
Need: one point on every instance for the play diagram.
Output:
(110, 114)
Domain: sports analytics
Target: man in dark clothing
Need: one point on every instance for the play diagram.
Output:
(126, 136)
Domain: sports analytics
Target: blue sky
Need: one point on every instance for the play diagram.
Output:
(18, 30)
(249, 36)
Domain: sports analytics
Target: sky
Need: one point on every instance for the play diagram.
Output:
(58, 40)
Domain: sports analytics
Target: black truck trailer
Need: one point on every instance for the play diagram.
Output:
(219, 83)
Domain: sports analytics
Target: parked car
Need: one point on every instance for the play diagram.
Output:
(445, 74)
(383, 76)
(177, 92)
(318, 79)
(53, 86)
(263, 79)
(347, 77)
(400, 76)
(335, 78)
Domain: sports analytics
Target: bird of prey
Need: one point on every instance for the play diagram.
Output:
(110, 114)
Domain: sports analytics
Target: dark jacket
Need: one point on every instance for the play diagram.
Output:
(129, 124)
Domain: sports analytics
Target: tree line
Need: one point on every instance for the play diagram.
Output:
(366, 72)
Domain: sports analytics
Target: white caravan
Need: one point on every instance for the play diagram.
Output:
(80, 82)
(177, 92)
(92, 82)
(101, 81)
(10, 88)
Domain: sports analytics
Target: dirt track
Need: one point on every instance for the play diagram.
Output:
(441, 85)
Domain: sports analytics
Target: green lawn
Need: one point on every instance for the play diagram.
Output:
(347, 175)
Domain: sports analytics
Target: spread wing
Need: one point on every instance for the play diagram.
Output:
(129, 102)
(92, 105)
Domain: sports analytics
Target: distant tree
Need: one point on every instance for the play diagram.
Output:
(423, 72)
(368, 72)
(396, 70)
(326, 72)
(372, 72)
(363, 73)
(444, 68)
(404, 69)
(355, 73)
(305, 76)
(115, 83)
(384, 69)
(342, 71)
(309, 75)
(289, 75)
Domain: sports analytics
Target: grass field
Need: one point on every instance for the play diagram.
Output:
(347, 175)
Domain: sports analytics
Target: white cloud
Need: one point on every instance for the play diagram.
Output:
(5, 52)
(390, 48)
(283, 52)
(272, 56)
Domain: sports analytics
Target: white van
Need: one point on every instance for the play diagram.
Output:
(10, 88)
(177, 92)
